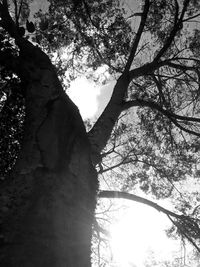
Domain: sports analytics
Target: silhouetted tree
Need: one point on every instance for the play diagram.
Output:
(49, 197)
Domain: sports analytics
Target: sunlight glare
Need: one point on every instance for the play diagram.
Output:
(84, 94)
(140, 231)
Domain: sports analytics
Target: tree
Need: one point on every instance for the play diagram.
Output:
(48, 200)
(47, 172)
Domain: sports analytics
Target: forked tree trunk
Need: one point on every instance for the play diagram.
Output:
(48, 208)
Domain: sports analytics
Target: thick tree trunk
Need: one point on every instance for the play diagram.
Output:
(49, 206)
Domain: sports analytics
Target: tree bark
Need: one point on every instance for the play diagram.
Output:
(47, 208)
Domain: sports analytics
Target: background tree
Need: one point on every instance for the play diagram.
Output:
(53, 185)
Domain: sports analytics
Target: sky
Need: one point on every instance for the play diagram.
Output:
(90, 98)
(140, 234)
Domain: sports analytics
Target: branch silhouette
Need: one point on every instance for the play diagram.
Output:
(186, 225)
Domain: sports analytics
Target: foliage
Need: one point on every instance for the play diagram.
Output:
(11, 108)
(12, 118)
(88, 31)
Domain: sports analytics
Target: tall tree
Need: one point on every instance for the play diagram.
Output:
(53, 192)
(48, 200)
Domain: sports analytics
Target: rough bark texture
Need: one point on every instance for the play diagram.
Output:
(48, 208)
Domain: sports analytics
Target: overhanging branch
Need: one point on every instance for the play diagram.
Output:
(128, 196)
(186, 225)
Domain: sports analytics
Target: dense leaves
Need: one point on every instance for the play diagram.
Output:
(12, 118)
(88, 31)
(11, 107)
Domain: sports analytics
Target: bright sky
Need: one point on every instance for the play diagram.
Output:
(90, 97)
(84, 94)
(138, 234)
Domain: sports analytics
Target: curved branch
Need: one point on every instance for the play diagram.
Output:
(153, 105)
(185, 224)
(128, 196)
(171, 116)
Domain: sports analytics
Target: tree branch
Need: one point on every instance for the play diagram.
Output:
(180, 67)
(171, 116)
(124, 161)
(184, 233)
(138, 36)
(158, 83)
(186, 225)
(191, 17)
(128, 196)
(153, 105)
(27, 49)
(101, 131)
(146, 69)
(176, 27)
(6, 21)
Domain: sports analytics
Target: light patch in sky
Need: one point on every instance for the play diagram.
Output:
(140, 231)
(84, 94)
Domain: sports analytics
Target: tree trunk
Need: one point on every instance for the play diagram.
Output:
(48, 208)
